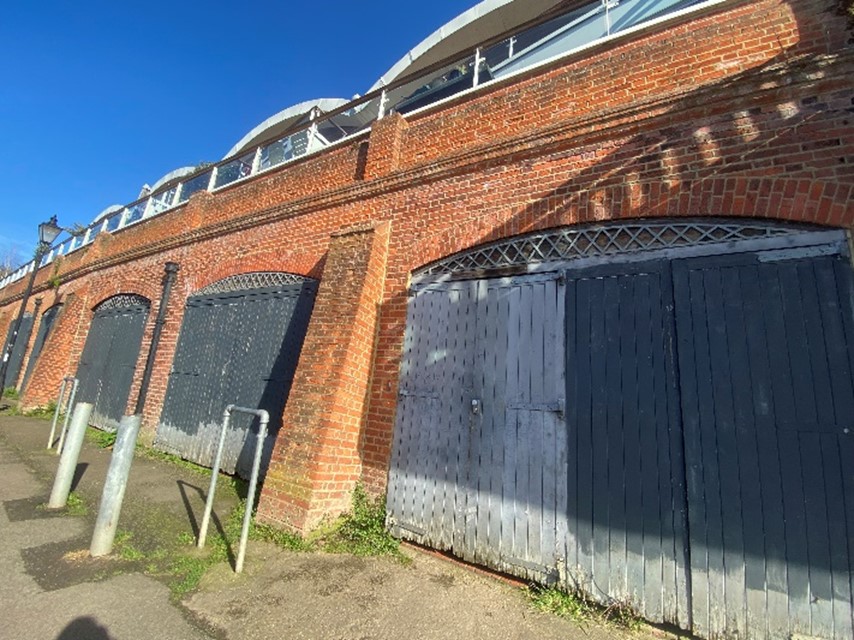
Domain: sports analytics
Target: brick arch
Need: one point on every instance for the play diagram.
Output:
(107, 288)
(243, 265)
(251, 280)
(607, 240)
(121, 297)
(783, 199)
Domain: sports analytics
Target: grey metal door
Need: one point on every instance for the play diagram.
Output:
(109, 358)
(766, 355)
(627, 540)
(16, 357)
(479, 457)
(46, 324)
(237, 347)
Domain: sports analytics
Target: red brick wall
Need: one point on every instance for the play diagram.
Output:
(745, 111)
(315, 462)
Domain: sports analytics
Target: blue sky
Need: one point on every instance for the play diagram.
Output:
(97, 98)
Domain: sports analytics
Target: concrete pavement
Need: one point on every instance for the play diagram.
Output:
(51, 589)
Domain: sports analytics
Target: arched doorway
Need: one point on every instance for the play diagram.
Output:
(658, 413)
(109, 357)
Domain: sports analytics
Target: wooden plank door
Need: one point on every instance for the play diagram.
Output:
(479, 455)
(242, 348)
(109, 359)
(427, 476)
(765, 358)
(627, 538)
(516, 482)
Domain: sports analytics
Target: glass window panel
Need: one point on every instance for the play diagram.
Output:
(238, 168)
(289, 147)
(199, 183)
(162, 201)
(135, 212)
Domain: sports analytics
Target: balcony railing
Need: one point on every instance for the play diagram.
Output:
(499, 59)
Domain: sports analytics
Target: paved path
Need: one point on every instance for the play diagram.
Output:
(52, 590)
(126, 606)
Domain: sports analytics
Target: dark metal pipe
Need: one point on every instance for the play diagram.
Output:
(171, 270)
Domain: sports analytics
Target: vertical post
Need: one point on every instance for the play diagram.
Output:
(256, 161)
(171, 270)
(68, 461)
(68, 406)
(177, 197)
(253, 485)
(212, 181)
(203, 529)
(383, 102)
(114, 487)
(607, 4)
(511, 47)
(56, 411)
(123, 218)
(478, 60)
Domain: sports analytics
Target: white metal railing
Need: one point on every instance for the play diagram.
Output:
(592, 24)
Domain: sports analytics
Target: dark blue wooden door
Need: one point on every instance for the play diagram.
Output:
(627, 538)
(16, 357)
(238, 347)
(765, 357)
(109, 358)
(45, 326)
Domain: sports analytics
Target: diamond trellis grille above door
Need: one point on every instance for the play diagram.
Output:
(553, 247)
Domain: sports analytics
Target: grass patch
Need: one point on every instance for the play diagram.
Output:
(362, 532)
(125, 548)
(11, 393)
(578, 608)
(101, 439)
(76, 506)
(44, 412)
(153, 454)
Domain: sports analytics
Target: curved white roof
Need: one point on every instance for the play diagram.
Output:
(281, 121)
(177, 173)
(111, 209)
(483, 21)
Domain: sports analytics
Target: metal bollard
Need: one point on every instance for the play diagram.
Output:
(68, 403)
(68, 460)
(253, 481)
(114, 487)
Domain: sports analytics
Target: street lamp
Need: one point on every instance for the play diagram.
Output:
(48, 231)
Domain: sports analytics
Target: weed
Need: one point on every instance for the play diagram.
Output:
(101, 439)
(44, 412)
(11, 393)
(187, 572)
(559, 603)
(578, 607)
(153, 454)
(75, 506)
(125, 548)
(186, 538)
(281, 539)
(362, 532)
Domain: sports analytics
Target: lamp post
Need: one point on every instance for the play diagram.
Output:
(48, 231)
